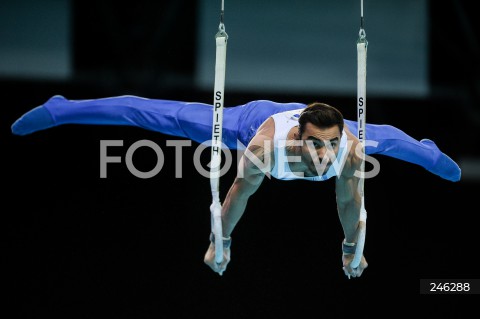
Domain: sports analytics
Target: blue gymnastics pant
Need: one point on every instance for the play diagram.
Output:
(193, 121)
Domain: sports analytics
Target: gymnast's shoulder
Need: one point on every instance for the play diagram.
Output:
(262, 144)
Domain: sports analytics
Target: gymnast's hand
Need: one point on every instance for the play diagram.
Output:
(210, 259)
(353, 272)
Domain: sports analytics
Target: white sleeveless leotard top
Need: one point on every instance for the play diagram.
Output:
(281, 170)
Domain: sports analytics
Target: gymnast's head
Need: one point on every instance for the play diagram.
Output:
(319, 116)
(320, 125)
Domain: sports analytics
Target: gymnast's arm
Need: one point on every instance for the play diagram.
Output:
(253, 166)
(249, 177)
(348, 205)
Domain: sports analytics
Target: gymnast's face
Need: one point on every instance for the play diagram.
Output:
(318, 145)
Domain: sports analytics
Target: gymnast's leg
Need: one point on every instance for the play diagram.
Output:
(180, 119)
(396, 143)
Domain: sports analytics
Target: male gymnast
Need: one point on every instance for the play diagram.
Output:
(288, 140)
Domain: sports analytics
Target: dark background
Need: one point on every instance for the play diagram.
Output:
(78, 246)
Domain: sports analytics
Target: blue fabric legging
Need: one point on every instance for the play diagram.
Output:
(194, 121)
